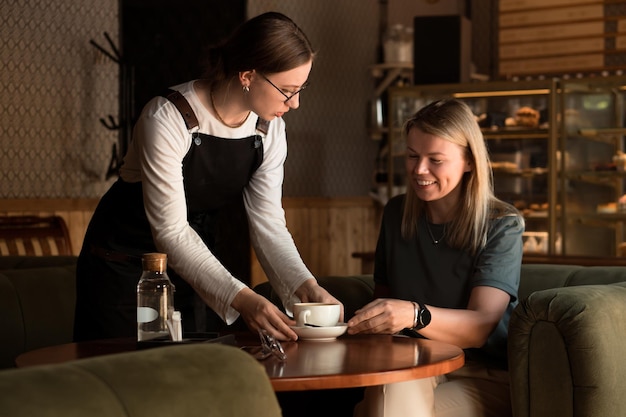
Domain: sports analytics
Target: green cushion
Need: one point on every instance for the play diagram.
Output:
(537, 277)
(36, 309)
(189, 380)
(19, 262)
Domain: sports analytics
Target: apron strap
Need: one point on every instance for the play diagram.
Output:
(183, 107)
(190, 118)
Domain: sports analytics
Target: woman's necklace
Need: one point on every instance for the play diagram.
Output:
(220, 117)
(430, 232)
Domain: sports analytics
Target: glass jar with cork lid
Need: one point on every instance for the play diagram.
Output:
(155, 298)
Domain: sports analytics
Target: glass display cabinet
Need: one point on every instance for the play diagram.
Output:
(519, 122)
(592, 166)
(558, 155)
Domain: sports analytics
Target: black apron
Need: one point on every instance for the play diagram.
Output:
(215, 171)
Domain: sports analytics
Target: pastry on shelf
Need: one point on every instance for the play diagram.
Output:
(527, 117)
(607, 208)
(504, 166)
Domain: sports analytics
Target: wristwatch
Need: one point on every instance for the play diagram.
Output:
(422, 316)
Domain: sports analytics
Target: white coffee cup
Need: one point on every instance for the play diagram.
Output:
(317, 314)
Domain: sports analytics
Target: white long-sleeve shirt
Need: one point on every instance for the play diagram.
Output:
(155, 156)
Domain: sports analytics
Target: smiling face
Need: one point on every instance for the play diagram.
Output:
(268, 91)
(435, 167)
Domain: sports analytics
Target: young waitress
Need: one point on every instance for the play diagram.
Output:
(204, 145)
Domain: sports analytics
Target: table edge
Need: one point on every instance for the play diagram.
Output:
(369, 379)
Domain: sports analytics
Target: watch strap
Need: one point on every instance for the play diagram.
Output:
(422, 316)
(416, 316)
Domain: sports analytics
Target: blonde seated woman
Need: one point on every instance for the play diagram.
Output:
(447, 267)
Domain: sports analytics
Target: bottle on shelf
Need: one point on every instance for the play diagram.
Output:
(398, 44)
(155, 298)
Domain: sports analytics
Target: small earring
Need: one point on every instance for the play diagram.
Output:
(246, 89)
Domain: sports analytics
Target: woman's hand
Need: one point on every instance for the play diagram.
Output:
(382, 316)
(312, 292)
(465, 328)
(260, 313)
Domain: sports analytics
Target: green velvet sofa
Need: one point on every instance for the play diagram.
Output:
(566, 338)
(204, 379)
(37, 309)
(567, 356)
(37, 296)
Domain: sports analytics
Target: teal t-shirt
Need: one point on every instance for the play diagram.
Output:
(438, 275)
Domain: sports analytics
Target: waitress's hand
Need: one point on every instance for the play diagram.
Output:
(260, 313)
(382, 316)
(312, 292)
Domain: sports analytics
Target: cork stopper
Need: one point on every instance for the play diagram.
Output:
(154, 262)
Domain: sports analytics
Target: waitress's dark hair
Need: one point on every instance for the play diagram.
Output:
(270, 42)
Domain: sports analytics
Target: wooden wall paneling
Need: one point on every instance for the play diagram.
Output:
(319, 239)
(361, 237)
(552, 48)
(326, 230)
(356, 238)
(376, 220)
(364, 235)
(338, 225)
(79, 221)
(514, 5)
(543, 37)
(349, 230)
(75, 233)
(540, 34)
(558, 14)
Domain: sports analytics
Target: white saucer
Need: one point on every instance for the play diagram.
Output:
(320, 333)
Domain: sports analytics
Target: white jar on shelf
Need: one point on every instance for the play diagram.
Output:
(398, 44)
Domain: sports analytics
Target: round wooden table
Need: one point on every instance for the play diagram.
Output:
(347, 362)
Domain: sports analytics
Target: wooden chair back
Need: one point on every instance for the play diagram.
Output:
(34, 236)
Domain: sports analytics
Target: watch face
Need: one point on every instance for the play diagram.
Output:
(425, 316)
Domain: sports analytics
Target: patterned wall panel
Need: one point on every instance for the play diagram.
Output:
(54, 87)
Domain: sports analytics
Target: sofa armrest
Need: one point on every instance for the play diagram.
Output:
(566, 352)
(36, 309)
(24, 262)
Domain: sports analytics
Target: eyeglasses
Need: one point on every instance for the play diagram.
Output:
(287, 97)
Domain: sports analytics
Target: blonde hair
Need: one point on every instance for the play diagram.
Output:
(452, 120)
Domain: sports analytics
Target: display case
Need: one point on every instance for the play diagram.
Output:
(592, 161)
(519, 121)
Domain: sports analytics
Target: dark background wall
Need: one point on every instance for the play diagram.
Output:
(163, 41)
